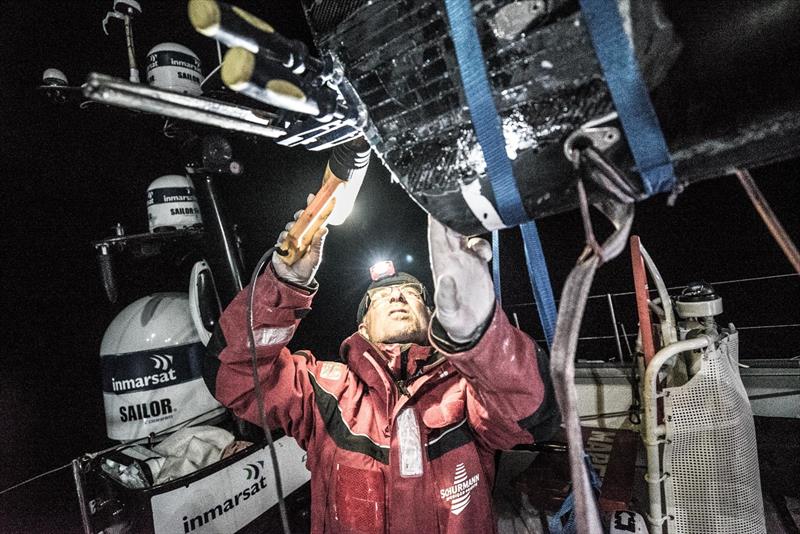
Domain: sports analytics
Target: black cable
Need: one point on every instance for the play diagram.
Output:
(257, 388)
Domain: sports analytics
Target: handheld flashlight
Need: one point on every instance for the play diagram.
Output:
(346, 169)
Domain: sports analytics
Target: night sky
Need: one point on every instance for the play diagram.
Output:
(70, 174)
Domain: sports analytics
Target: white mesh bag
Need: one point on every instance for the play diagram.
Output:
(710, 453)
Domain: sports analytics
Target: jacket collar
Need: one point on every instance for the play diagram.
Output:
(371, 364)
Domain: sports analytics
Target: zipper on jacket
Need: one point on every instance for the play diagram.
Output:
(405, 381)
(403, 365)
(402, 387)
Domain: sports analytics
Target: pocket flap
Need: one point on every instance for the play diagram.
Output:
(446, 413)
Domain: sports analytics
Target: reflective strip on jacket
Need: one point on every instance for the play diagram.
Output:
(466, 404)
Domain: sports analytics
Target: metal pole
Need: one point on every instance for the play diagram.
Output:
(223, 255)
(642, 297)
(78, 475)
(768, 216)
(118, 92)
(134, 70)
(614, 322)
(627, 342)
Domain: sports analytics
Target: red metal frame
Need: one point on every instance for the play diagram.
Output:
(642, 296)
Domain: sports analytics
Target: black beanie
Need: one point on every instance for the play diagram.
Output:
(395, 279)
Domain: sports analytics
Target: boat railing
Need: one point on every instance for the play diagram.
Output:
(611, 326)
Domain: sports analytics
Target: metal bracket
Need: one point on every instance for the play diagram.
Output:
(122, 9)
(512, 19)
(117, 92)
(109, 15)
(600, 137)
(658, 521)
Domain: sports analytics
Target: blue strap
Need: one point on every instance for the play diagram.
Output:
(483, 112)
(563, 522)
(498, 294)
(489, 131)
(540, 280)
(629, 92)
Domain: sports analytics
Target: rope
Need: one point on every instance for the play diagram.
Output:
(259, 393)
(24, 482)
(210, 74)
(116, 447)
(757, 327)
(790, 325)
(498, 292)
(627, 293)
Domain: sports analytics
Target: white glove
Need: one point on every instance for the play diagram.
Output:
(464, 294)
(303, 270)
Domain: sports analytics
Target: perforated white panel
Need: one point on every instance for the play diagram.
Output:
(710, 455)
(733, 349)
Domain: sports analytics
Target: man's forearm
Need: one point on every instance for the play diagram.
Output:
(278, 308)
(511, 393)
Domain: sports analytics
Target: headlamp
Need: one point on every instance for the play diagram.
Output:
(383, 276)
(381, 270)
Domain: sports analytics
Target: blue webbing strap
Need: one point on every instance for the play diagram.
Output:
(563, 522)
(498, 294)
(629, 92)
(489, 131)
(540, 280)
(483, 112)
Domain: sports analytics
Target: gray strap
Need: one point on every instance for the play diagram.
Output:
(562, 363)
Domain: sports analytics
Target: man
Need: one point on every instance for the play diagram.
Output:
(401, 436)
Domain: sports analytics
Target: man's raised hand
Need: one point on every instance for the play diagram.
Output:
(464, 293)
(303, 270)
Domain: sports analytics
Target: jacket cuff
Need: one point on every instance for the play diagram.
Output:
(309, 289)
(282, 305)
(442, 341)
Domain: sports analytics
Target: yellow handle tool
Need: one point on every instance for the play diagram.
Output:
(315, 215)
(348, 163)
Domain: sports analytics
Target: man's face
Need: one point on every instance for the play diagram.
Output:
(396, 314)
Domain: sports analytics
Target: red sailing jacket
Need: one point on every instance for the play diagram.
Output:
(466, 406)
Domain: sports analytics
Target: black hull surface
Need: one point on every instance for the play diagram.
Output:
(723, 76)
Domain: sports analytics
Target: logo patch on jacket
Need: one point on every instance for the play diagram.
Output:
(332, 370)
(458, 494)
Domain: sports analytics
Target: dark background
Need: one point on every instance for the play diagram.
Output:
(70, 174)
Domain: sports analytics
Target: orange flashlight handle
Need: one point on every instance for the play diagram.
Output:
(315, 215)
